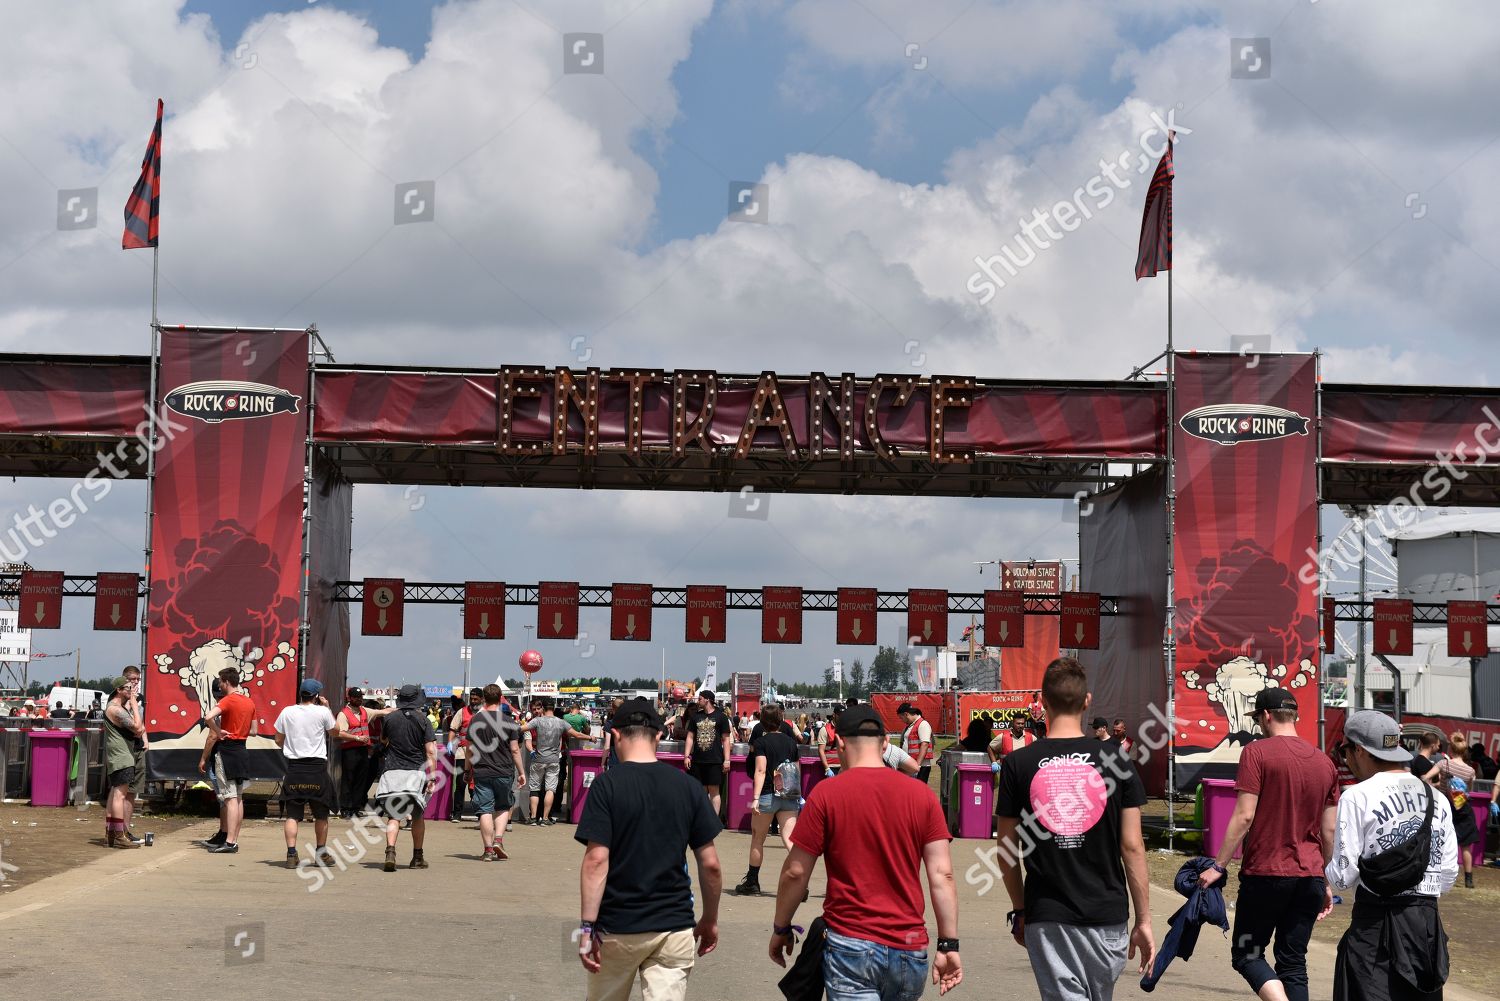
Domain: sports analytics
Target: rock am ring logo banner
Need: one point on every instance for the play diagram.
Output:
(218, 400)
(1233, 423)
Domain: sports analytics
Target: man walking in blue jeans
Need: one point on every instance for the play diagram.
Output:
(875, 831)
(1285, 814)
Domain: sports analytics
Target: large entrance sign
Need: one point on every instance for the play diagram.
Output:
(259, 440)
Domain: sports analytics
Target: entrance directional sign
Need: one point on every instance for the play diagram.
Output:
(1468, 633)
(1004, 618)
(927, 617)
(484, 610)
(1330, 625)
(856, 616)
(781, 615)
(116, 600)
(383, 612)
(630, 612)
(1393, 626)
(557, 610)
(1079, 628)
(41, 599)
(705, 613)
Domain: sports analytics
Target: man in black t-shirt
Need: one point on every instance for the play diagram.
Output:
(636, 901)
(410, 772)
(494, 771)
(1070, 805)
(708, 740)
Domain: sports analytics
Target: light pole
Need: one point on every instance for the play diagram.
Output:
(466, 655)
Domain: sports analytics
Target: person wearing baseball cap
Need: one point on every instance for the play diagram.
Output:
(354, 743)
(302, 734)
(636, 900)
(876, 832)
(1284, 814)
(916, 739)
(1395, 843)
(1100, 726)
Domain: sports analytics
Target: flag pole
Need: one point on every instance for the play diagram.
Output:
(1171, 625)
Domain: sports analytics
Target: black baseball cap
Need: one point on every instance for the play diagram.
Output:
(1272, 699)
(861, 721)
(636, 712)
(907, 707)
(1100, 721)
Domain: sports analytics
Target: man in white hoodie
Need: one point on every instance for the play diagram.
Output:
(1395, 948)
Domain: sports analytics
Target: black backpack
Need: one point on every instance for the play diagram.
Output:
(1400, 867)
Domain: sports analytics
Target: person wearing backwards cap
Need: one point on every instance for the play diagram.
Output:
(636, 900)
(1284, 813)
(1394, 840)
(302, 734)
(875, 832)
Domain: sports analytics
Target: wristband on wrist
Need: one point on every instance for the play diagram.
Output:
(947, 945)
(785, 929)
(1216, 867)
(1012, 917)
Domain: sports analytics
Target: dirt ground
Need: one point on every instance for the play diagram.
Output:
(37, 842)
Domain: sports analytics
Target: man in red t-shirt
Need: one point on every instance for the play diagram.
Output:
(230, 723)
(874, 829)
(1285, 815)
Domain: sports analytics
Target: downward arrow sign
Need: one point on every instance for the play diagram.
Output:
(927, 629)
(630, 625)
(1078, 633)
(380, 618)
(114, 616)
(855, 629)
(484, 623)
(781, 627)
(1004, 631)
(1468, 639)
(1393, 639)
(557, 622)
(41, 611)
(705, 627)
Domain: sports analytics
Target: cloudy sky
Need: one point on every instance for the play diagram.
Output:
(1331, 193)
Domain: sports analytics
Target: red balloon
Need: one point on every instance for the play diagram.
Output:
(531, 662)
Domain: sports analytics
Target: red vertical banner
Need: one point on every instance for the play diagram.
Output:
(484, 610)
(781, 615)
(557, 610)
(383, 611)
(705, 613)
(1468, 629)
(1330, 625)
(630, 612)
(1004, 618)
(226, 533)
(40, 598)
(1392, 633)
(856, 616)
(927, 617)
(1246, 518)
(1078, 624)
(116, 600)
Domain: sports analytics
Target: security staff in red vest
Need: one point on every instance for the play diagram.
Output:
(917, 739)
(354, 754)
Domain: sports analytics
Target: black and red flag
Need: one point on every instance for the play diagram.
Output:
(143, 207)
(1155, 251)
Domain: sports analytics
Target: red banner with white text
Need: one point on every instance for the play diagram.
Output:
(227, 534)
(1246, 518)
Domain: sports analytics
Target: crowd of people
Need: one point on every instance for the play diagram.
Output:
(1069, 834)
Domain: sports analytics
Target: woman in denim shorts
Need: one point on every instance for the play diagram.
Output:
(777, 791)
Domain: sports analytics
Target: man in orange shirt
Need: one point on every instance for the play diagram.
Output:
(231, 719)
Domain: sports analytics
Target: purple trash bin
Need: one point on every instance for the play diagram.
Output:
(584, 766)
(51, 754)
(439, 806)
(737, 804)
(976, 801)
(1480, 802)
(1218, 807)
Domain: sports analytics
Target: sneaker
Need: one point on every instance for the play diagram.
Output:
(418, 862)
(550, 821)
(748, 888)
(135, 841)
(390, 860)
(325, 857)
(217, 839)
(1468, 881)
(455, 819)
(291, 858)
(498, 852)
(227, 848)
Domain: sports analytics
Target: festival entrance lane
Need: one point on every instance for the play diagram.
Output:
(462, 928)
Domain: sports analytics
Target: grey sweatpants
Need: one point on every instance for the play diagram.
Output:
(1076, 962)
